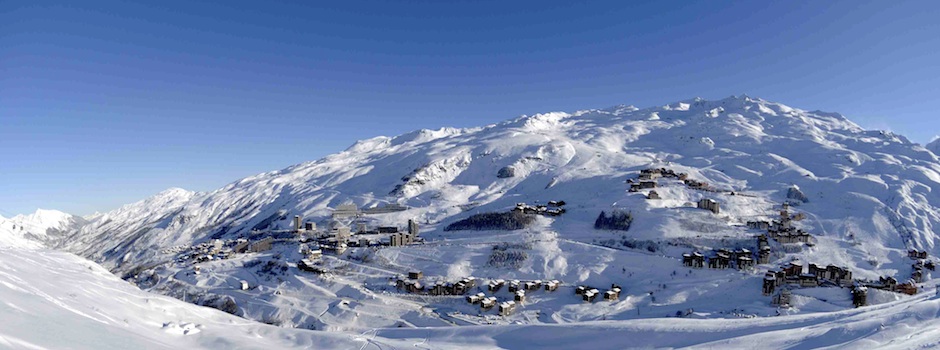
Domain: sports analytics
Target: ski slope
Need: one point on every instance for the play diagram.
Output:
(54, 300)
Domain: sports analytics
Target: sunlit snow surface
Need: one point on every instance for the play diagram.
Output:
(870, 198)
(55, 300)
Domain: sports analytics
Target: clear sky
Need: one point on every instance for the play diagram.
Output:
(105, 103)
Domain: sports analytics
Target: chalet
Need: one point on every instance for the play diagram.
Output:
(496, 285)
(400, 239)
(859, 296)
(552, 285)
(743, 253)
(687, 259)
(413, 286)
(476, 298)
(819, 272)
(710, 205)
(770, 283)
(470, 282)
(519, 296)
(763, 257)
(590, 295)
(808, 280)
(840, 275)
(696, 185)
(556, 204)
(917, 276)
(241, 246)
(653, 195)
(791, 236)
(758, 225)
(762, 241)
(488, 303)
(613, 293)
(310, 226)
(651, 174)
(311, 253)
(721, 261)
(262, 245)
(529, 286)
(924, 264)
(439, 289)
(745, 262)
(581, 289)
(534, 285)
(634, 187)
(514, 286)
(507, 308)
(645, 185)
(781, 277)
(458, 288)
(782, 298)
(888, 283)
(917, 254)
(698, 260)
(909, 288)
(243, 284)
(415, 275)
(795, 268)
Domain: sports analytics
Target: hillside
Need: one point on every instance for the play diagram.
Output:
(48, 292)
(865, 197)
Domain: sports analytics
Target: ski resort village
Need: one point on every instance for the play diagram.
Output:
(482, 269)
(708, 220)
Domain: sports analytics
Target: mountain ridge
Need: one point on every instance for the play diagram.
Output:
(452, 167)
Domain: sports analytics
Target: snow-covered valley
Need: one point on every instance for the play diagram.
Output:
(860, 201)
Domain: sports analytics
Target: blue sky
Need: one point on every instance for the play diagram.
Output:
(105, 103)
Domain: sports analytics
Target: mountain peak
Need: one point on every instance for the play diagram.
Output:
(934, 145)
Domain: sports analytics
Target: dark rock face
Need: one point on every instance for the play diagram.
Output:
(506, 172)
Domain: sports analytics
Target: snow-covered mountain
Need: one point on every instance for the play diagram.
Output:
(41, 228)
(874, 186)
(934, 146)
(866, 197)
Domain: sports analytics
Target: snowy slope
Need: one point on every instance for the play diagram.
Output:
(868, 199)
(41, 228)
(871, 185)
(55, 300)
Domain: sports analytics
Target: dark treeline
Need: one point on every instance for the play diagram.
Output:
(617, 220)
(492, 221)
